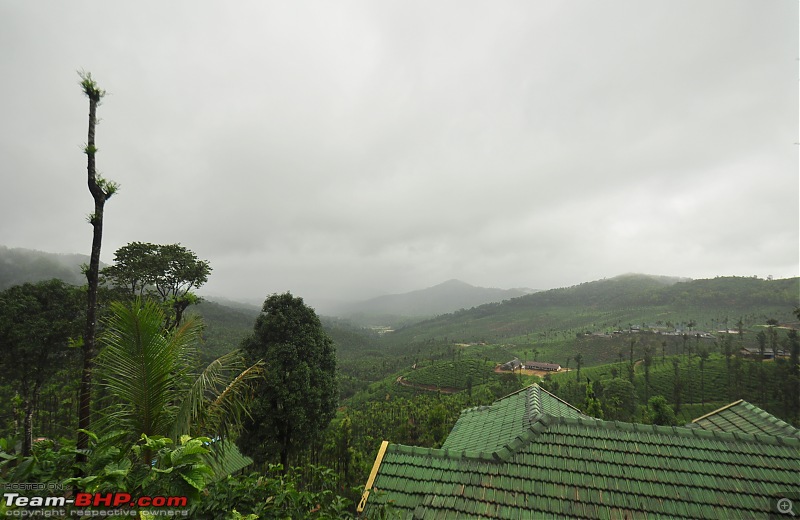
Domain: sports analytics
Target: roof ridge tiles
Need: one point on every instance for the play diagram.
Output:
(515, 392)
(720, 409)
(679, 431)
(443, 453)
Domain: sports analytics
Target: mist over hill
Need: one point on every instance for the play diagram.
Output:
(443, 298)
(18, 266)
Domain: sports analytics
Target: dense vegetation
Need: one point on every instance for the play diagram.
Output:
(649, 350)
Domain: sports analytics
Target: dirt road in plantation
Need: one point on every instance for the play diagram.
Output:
(526, 372)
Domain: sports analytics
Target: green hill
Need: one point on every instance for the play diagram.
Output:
(606, 305)
(397, 310)
(18, 266)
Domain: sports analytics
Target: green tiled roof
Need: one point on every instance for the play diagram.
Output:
(743, 417)
(487, 428)
(577, 467)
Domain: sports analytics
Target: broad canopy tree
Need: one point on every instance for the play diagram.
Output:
(298, 394)
(167, 273)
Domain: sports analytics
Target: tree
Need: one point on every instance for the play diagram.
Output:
(740, 330)
(648, 360)
(101, 190)
(727, 351)
(761, 338)
(792, 383)
(631, 369)
(660, 412)
(677, 384)
(619, 399)
(592, 406)
(773, 336)
(167, 273)
(37, 322)
(147, 372)
(298, 394)
(703, 354)
(578, 364)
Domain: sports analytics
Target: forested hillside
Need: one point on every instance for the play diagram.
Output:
(633, 337)
(611, 304)
(18, 266)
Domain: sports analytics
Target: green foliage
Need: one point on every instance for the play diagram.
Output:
(660, 412)
(151, 466)
(224, 328)
(145, 370)
(49, 461)
(108, 187)
(37, 322)
(154, 466)
(723, 379)
(619, 399)
(592, 407)
(90, 88)
(455, 374)
(167, 273)
(309, 492)
(297, 397)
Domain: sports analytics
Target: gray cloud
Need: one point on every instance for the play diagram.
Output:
(355, 148)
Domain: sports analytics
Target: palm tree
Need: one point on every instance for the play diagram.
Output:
(648, 360)
(703, 354)
(761, 338)
(147, 372)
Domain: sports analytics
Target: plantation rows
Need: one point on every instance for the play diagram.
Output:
(455, 374)
(716, 385)
(494, 353)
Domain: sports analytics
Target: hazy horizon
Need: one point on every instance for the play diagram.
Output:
(355, 149)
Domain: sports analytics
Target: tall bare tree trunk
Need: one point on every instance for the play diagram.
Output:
(101, 191)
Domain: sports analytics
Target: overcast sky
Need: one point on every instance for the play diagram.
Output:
(352, 149)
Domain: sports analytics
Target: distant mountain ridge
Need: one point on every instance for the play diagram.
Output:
(19, 265)
(621, 300)
(443, 298)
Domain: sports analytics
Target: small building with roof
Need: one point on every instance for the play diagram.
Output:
(514, 364)
(538, 365)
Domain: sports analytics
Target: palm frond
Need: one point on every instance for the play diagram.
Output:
(230, 406)
(218, 398)
(142, 366)
(145, 369)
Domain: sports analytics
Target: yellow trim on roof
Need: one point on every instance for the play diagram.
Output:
(372, 476)
(718, 410)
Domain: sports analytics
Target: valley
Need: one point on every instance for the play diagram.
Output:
(406, 376)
